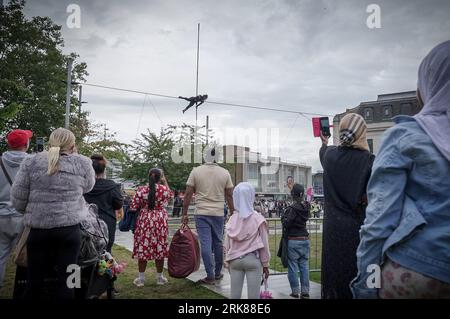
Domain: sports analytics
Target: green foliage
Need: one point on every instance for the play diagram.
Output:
(33, 72)
(96, 139)
(155, 150)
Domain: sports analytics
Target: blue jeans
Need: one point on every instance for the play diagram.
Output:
(210, 234)
(298, 254)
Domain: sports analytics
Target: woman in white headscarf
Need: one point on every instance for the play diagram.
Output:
(246, 244)
(406, 231)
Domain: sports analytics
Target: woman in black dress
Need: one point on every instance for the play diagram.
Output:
(347, 169)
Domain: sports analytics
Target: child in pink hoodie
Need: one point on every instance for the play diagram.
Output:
(246, 244)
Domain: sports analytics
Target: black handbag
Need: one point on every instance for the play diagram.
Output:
(129, 220)
(283, 249)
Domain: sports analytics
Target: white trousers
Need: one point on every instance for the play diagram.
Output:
(248, 267)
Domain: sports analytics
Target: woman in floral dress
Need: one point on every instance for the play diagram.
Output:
(151, 233)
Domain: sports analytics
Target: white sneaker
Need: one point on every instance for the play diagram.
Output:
(161, 281)
(138, 282)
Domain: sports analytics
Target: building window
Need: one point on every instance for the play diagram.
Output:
(368, 114)
(253, 171)
(370, 142)
(406, 109)
(302, 179)
(387, 112)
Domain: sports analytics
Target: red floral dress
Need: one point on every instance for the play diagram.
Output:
(151, 233)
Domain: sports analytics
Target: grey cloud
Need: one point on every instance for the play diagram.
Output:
(309, 55)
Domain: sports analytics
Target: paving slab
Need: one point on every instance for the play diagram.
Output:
(278, 283)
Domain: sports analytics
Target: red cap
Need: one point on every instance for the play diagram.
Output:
(18, 138)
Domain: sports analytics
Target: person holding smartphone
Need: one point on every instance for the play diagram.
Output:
(346, 172)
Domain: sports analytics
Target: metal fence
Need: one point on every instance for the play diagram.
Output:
(314, 226)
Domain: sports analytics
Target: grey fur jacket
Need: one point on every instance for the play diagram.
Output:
(57, 200)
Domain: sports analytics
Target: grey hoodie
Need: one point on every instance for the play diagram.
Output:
(11, 160)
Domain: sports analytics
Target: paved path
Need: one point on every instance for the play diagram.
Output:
(278, 284)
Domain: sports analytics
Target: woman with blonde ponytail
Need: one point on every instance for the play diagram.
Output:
(61, 141)
(48, 190)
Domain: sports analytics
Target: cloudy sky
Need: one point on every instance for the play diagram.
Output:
(314, 56)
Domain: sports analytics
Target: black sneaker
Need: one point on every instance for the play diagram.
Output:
(295, 295)
(220, 277)
(304, 296)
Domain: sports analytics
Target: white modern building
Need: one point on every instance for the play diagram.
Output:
(114, 170)
(267, 174)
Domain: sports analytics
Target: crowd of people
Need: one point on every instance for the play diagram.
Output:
(46, 198)
(270, 208)
(390, 211)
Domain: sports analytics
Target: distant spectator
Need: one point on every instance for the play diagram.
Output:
(315, 209)
(225, 210)
(177, 205)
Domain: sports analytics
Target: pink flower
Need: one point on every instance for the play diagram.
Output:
(389, 276)
(405, 277)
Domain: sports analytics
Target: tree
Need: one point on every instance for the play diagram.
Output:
(98, 140)
(33, 73)
(155, 150)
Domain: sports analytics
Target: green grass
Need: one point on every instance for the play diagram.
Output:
(175, 289)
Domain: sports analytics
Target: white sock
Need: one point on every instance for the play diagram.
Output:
(160, 275)
(142, 276)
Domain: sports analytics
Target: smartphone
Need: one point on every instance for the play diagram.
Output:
(325, 126)
(39, 144)
(316, 126)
